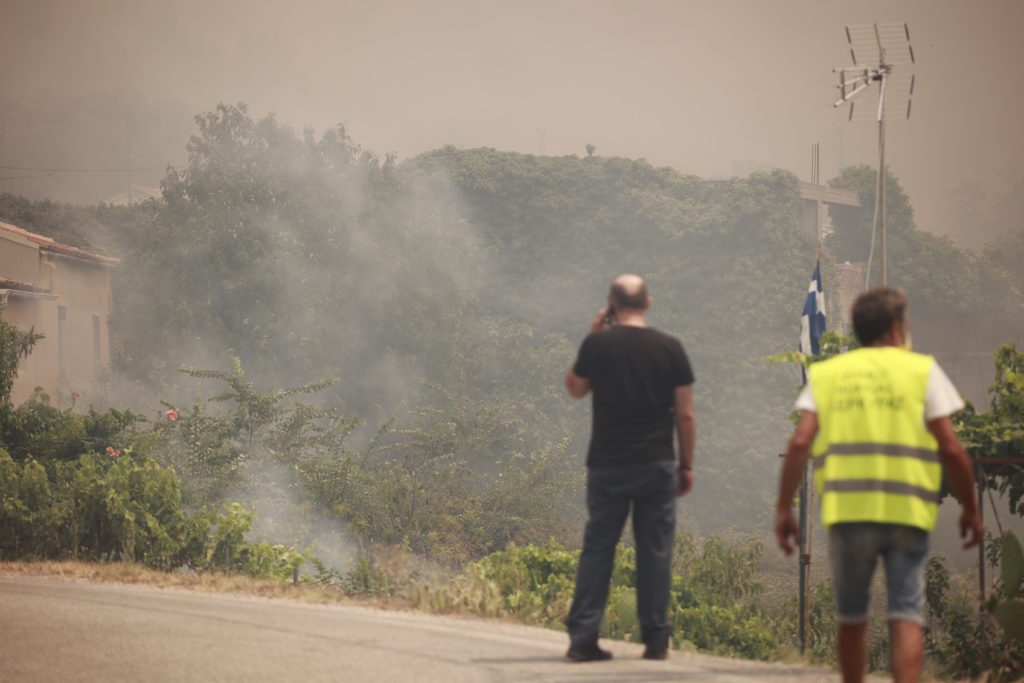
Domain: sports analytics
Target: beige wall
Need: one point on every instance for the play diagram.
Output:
(40, 368)
(80, 284)
(19, 260)
(73, 352)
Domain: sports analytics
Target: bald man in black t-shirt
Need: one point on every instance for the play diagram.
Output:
(641, 381)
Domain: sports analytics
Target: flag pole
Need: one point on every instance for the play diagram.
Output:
(804, 563)
(805, 542)
(807, 520)
(811, 310)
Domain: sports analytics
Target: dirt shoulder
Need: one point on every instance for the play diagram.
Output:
(206, 582)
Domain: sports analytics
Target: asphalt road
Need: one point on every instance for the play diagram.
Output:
(56, 630)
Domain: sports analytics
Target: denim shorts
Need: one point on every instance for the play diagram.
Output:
(854, 549)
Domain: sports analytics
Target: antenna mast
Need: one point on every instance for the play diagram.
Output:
(886, 49)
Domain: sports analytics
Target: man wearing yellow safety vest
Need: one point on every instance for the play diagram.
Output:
(877, 422)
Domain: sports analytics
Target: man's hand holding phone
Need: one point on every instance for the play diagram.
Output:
(604, 319)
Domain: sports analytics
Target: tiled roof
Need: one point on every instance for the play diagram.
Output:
(17, 285)
(47, 244)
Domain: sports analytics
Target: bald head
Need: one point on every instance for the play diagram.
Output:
(629, 292)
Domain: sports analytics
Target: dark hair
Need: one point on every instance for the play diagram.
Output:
(874, 312)
(623, 299)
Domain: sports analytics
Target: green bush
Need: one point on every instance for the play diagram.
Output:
(822, 622)
(228, 548)
(715, 599)
(41, 430)
(714, 605)
(961, 640)
(366, 578)
(419, 487)
(96, 507)
(128, 508)
(535, 582)
(738, 631)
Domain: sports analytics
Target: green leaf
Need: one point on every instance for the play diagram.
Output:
(1011, 564)
(1010, 615)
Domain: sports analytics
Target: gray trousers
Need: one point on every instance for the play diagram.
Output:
(650, 488)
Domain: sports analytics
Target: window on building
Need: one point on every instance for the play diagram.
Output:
(95, 343)
(62, 324)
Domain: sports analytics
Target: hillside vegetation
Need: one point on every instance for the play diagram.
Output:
(341, 355)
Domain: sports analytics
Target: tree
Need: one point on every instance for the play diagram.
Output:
(941, 277)
(852, 237)
(1000, 431)
(15, 345)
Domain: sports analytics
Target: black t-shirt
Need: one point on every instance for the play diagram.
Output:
(633, 373)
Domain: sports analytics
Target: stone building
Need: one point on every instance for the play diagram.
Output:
(63, 293)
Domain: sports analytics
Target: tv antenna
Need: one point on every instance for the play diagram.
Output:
(882, 56)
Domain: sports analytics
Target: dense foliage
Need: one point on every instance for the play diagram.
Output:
(475, 272)
(83, 485)
(65, 223)
(413, 487)
(999, 432)
(960, 641)
(941, 278)
(714, 602)
(725, 261)
(421, 315)
(472, 271)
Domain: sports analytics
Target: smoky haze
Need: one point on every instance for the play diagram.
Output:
(711, 88)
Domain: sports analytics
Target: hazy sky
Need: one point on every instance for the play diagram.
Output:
(709, 87)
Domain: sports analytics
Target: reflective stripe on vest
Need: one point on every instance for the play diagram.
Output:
(874, 460)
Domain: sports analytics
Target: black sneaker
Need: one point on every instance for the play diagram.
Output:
(587, 653)
(655, 653)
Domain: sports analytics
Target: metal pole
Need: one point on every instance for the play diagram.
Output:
(980, 478)
(819, 205)
(810, 534)
(879, 214)
(803, 563)
(881, 199)
(128, 141)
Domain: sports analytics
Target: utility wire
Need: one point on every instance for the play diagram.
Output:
(23, 177)
(80, 170)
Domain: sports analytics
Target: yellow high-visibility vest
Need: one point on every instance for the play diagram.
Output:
(874, 460)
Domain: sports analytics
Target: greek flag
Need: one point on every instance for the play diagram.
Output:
(812, 320)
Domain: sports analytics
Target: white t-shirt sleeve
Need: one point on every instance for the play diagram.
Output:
(941, 399)
(805, 401)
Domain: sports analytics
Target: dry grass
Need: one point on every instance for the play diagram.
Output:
(205, 582)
